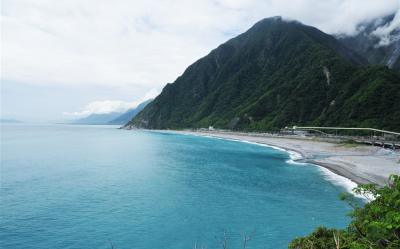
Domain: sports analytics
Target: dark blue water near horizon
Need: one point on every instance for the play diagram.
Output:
(71, 186)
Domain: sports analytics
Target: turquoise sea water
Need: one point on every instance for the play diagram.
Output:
(96, 186)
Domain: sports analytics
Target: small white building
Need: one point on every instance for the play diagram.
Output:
(210, 128)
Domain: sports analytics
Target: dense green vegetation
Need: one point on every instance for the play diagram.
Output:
(278, 74)
(376, 225)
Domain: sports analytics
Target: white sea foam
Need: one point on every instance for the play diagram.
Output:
(338, 180)
(293, 155)
(342, 182)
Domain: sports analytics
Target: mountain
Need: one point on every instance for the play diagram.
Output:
(378, 41)
(98, 119)
(113, 118)
(130, 114)
(279, 73)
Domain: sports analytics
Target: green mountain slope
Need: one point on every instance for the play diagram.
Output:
(277, 74)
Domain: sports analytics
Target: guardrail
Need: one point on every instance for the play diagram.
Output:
(344, 128)
(392, 142)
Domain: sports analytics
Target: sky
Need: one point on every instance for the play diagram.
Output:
(65, 59)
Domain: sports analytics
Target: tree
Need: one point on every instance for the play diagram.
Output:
(376, 225)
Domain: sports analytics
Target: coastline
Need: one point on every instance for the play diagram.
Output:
(361, 164)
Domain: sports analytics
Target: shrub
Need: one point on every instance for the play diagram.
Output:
(376, 225)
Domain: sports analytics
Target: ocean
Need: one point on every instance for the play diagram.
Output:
(77, 186)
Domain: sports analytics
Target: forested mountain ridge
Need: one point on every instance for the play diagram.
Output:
(278, 73)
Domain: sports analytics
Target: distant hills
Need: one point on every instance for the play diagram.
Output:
(280, 73)
(10, 121)
(127, 116)
(98, 119)
(114, 118)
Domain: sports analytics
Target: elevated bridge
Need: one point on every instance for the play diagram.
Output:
(387, 139)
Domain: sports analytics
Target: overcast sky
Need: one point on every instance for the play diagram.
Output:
(63, 59)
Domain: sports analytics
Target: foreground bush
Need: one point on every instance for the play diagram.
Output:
(376, 225)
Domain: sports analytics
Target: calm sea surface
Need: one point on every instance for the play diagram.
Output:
(69, 186)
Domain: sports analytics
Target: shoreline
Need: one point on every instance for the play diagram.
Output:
(360, 165)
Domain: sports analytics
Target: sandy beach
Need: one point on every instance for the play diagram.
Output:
(361, 164)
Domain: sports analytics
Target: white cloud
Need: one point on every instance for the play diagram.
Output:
(384, 32)
(144, 43)
(101, 107)
(109, 106)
